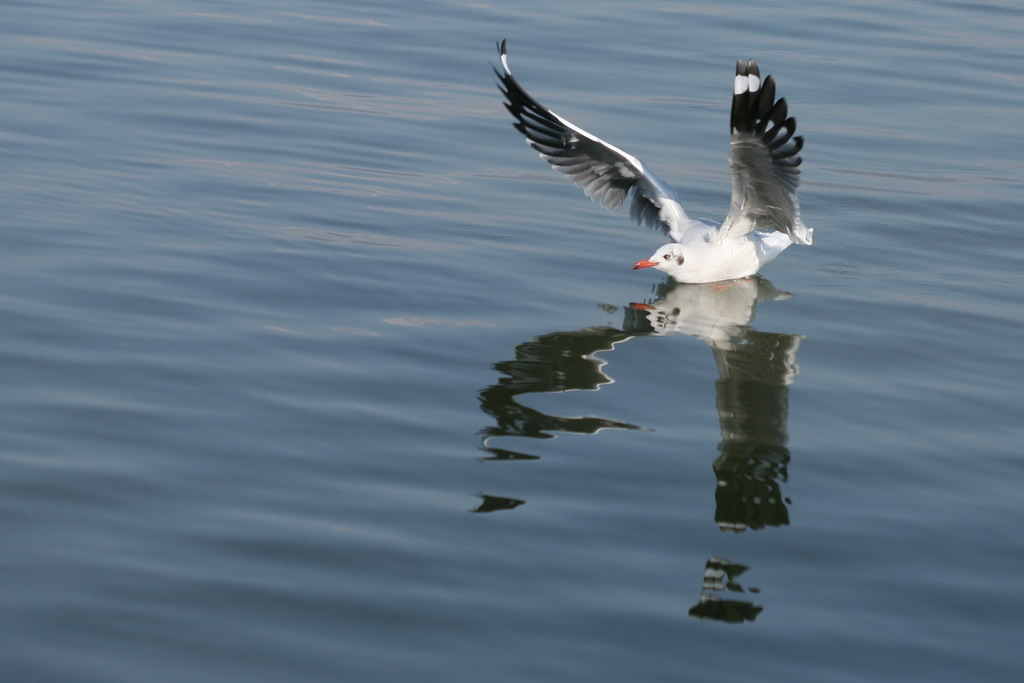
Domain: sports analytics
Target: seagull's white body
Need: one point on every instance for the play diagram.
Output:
(764, 217)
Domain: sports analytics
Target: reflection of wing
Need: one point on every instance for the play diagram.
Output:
(714, 608)
(753, 409)
(755, 370)
(555, 362)
(496, 503)
(720, 574)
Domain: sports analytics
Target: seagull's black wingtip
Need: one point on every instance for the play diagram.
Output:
(748, 68)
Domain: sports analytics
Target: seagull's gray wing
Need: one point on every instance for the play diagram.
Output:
(764, 161)
(606, 173)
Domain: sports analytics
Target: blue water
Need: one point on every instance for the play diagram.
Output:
(313, 371)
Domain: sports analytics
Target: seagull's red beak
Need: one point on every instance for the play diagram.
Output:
(643, 264)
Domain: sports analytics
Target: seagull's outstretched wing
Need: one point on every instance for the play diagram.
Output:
(605, 172)
(764, 162)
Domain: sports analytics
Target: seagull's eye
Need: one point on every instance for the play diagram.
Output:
(667, 256)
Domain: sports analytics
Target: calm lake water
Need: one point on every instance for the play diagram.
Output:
(313, 371)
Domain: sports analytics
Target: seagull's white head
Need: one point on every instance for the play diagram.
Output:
(671, 258)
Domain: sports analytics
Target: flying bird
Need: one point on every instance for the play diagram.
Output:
(763, 218)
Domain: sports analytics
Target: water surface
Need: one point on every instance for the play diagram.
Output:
(313, 371)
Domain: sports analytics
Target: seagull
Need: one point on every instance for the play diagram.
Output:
(764, 216)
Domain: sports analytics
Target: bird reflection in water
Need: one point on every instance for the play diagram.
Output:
(755, 371)
(720, 574)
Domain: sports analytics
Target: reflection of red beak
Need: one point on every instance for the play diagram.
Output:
(641, 307)
(643, 264)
